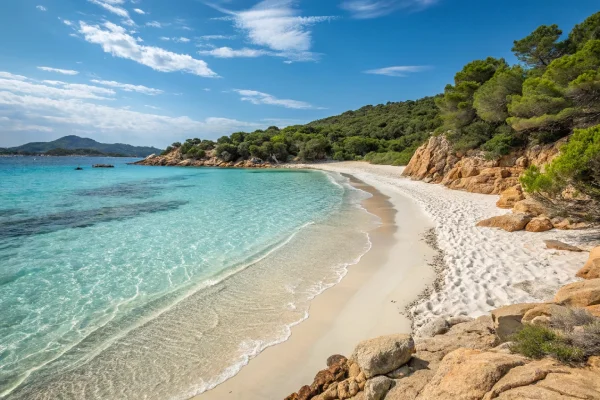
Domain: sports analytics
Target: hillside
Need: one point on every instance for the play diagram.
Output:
(73, 142)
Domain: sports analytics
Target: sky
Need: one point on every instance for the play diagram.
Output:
(151, 72)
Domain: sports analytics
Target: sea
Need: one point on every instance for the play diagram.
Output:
(139, 282)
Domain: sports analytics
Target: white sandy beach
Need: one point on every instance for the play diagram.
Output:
(485, 269)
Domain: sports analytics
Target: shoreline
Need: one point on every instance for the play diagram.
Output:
(369, 301)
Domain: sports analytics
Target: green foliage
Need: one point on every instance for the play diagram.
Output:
(499, 145)
(456, 105)
(390, 157)
(584, 32)
(541, 47)
(577, 166)
(572, 336)
(491, 99)
(471, 136)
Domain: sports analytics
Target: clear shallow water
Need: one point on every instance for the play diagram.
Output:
(157, 283)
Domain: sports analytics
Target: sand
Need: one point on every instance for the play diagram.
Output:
(368, 302)
(484, 269)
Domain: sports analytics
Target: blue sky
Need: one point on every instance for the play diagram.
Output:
(150, 72)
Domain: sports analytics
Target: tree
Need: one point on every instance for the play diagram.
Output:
(541, 47)
(491, 99)
(577, 166)
(584, 32)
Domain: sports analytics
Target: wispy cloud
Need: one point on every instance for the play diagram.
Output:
(41, 8)
(228, 52)
(59, 71)
(175, 39)
(62, 107)
(154, 24)
(278, 26)
(365, 9)
(139, 11)
(216, 37)
(111, 6)
(128, 87)
(115, 40)
(256, 97)
(398, 71)
(152, 107)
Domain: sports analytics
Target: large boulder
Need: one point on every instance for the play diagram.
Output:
(539, 224)
(508, 319)
(508, 222)
(579, 294)
(383, 354)
(510, 197)
(545, 311)
(410, 387)
(467, 374)
(591, 269)
(529, 206)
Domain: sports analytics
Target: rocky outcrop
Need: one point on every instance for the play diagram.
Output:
(508, 222)
(510, 197)
(507, 320)
(176, 159)
(436, 162)
(591, 269)
(579, 294)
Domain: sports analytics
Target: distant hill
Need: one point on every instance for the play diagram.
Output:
(73, 142)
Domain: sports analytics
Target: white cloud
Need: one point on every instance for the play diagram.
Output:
(41, 8)
(128, 87)
(278, 26)
(206, 89)
(66, 22)
(364, 9)
(175, 39)
(153, 107)
(59, 71)
(115, 40)
(401, 71)
(109, 5)
(255, 97)
(216, 37)
(64, 107)
(57, 90)
(228, 52)
(154, 24)
(139, 11)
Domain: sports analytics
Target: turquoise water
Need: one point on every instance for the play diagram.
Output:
(149, 282)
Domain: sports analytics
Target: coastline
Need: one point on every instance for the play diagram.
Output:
(369, 301)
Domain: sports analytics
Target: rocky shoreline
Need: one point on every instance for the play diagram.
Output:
(465, 358)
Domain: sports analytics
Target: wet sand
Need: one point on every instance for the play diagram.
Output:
(369, 302)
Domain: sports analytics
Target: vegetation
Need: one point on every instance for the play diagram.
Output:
(77, 143)
(387, 134)
(490, 106)
(577, 167)
(81, 152)
(571, 337)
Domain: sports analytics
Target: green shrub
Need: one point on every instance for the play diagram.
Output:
(390, 158)
(499, 145)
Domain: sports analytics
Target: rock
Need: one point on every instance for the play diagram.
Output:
(579, 294)
(383, 354)
(539, 224)
(558, 245)
(401, 372)
(437, 326)
(510, 197)
(353, 370)
(410, 387)
(459, 319)
(477, 334)
(523, 376)
(508, 222)
(529, 206)
(591, 269)
(376, 388)
(335, 359)
(594, 310)
(468, 374)
(507, 320)
(541, 311)
(347, 389)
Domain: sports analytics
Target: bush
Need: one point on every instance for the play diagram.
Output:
(572, 337)
(390, 157)
(499, 145)
(578, 167)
